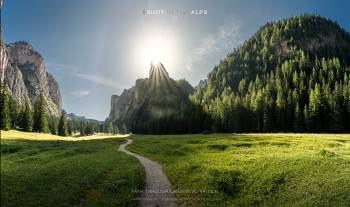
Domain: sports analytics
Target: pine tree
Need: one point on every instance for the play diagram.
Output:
(5, 119)
(53, 125)
(315, 107)
(298, 119)
(108, 127)
(40, 114)
(62, 126)
(306, 118)
(15, 110)
(337, 111)
(70, 128)
(27, 122)
(82, 129)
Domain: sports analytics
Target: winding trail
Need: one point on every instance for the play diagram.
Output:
(158, 188)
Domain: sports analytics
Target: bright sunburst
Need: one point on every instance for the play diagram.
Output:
(155, 48)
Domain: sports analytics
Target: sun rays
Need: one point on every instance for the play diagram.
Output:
(155, 48)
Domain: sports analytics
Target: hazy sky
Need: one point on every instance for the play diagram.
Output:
(96, 48)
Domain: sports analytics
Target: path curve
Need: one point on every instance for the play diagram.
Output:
(158, 188)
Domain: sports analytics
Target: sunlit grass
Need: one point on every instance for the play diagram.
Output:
(46, 170)
(14, 134)
(254, 169)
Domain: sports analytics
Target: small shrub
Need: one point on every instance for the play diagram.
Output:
(192, 168)
(196, 142)
(177, 153)
(326, 153)
(242, 144)
(264, 143)
(227, 181)
(280, 143)
(188, 149)
(9, 149)
(274, 183)
(220, 147)
(334, 144)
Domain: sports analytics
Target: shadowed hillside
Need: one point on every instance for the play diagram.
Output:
(158, 105)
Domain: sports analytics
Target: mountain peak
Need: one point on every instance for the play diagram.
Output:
(157, 71)
(150, 99)
(23, 44)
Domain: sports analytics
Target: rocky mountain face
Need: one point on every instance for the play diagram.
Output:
(23, 70)
(151, 98)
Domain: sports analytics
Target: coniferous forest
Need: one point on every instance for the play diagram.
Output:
(35, 118)
(292, 75)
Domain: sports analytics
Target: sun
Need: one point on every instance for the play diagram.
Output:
(155, 48)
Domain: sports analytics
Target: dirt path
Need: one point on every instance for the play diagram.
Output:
(158, 188)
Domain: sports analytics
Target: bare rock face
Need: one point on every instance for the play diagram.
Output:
(23, 70)
(122, 106)
(153, 97)
(54, 90)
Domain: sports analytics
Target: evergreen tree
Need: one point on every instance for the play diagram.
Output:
(108, 127)
(15, 111)
(5, 119)
(40, 114)
(298, 121)
(315, 107)
(306, 118)
(62, 126)
(53, 125)
(82, 129)
(27, 118)
(338, 110)
(70, 128)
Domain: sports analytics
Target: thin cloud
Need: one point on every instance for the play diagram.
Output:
(75, 71)
(62, 67)
(223, 40)
(81, 93)
(97, 79)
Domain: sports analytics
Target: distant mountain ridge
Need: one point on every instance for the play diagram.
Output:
(72, 116)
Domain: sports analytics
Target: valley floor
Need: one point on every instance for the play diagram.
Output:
(253, 169)
(204, 170)
(47, 170)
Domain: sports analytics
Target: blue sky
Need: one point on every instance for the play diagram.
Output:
(92, 46)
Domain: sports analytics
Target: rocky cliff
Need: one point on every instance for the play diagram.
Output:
(150, 98)
(24, 72)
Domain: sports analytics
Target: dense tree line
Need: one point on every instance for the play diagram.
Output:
(35, 118)
(189, 119)
(292, 75)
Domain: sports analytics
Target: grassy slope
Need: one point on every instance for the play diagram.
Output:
(55, 172)
(254, 169)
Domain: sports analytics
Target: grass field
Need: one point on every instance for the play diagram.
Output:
(205, 170)
(253, 169)
(47, 170)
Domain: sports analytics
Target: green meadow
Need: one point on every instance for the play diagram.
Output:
(205, 170)
(67, 173)
(253, 169)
